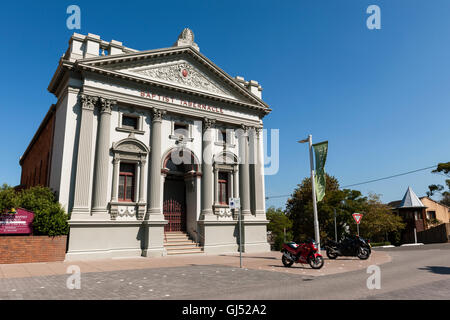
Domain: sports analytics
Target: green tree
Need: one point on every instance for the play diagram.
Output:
(299, 209)
(278, 225)
(443, 169)
(378, 220)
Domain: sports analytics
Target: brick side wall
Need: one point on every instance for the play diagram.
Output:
(26, 249)
(37, 159)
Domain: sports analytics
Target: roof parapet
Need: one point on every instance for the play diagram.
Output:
(252, 85)
(90, 46)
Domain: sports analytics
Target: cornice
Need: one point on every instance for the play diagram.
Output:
(139, 102)
(172, 87)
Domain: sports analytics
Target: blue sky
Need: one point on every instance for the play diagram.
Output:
(380, 97)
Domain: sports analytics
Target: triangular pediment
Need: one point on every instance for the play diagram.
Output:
(182, 73)
(180, 68)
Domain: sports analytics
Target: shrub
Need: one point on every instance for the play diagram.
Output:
(49, 217)
(379, 244)
(8, 198)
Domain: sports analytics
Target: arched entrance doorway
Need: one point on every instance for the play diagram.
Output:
(180, 167)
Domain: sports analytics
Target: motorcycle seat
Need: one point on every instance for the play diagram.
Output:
(292, 245)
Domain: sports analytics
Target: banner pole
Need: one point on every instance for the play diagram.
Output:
(313, 183)
(240, 239)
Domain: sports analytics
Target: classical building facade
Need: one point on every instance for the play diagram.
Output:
(148, 146)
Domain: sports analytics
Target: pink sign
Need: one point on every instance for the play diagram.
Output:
(16, 223)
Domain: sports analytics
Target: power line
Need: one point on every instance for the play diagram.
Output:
(365, 182)
(389, 177)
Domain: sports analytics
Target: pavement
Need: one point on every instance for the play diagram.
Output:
(406, 273)
(270, 261)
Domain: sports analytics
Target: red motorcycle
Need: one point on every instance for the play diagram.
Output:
(305, 253)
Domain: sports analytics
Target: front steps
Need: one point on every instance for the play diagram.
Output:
(178, 242)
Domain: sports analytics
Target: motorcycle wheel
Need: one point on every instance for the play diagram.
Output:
(316, 263)
(331, 255)
(363, 253)
(286, 262)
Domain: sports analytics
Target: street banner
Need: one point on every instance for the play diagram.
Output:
(320, 152)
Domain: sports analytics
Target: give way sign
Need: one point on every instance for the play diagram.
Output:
(357, 217)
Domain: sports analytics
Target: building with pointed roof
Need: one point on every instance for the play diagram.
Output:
(144, 149)
(413, 212)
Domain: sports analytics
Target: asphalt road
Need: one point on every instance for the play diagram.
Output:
(419, 272)
(414, 273)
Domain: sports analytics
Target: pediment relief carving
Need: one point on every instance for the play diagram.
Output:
(182, 73)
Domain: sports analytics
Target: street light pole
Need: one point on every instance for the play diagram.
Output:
(335, 225)
(313, 183)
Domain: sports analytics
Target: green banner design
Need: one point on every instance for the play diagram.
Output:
(320, 152)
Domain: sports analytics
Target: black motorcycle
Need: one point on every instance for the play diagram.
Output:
(350, 247)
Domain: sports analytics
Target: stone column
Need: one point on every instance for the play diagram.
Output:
(154, 211)
(216, 185)
(141, 202)
(207, 170)
(231, 175)
(259, 176)
(84, 157)
(141, 180)
(235, 183)
(115, 178)
(244, 173)
(101, 165)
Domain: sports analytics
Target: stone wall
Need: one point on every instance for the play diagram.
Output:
(26, 249)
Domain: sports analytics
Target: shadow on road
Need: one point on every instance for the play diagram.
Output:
(292, 267)
(244, 257)
(437, 269)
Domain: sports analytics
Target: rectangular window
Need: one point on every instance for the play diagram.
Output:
(129, 122)
(223, 188)
(126, 182)
(181, 129)
(431, 215)
(223, 136)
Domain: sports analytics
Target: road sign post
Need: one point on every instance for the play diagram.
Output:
(235, 204)
(357, 217)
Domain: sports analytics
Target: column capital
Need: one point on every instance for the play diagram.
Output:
(157, 114)
(142, 161)
(88, 102)
(244, 127)
(208, 123)
(106, 105)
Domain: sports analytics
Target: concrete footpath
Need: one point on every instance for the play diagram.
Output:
(270, 261)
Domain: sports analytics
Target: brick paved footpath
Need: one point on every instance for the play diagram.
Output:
(173, 277)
